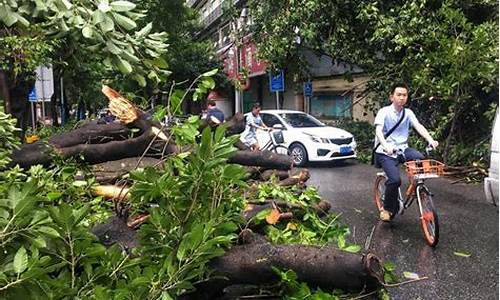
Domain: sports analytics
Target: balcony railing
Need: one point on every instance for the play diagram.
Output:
(192, 3)
(212, 16)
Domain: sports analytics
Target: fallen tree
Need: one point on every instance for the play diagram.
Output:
(188, 214)
(325, 267)
(97, 143)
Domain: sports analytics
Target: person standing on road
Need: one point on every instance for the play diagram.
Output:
(253, 122)
(213, 111)
(393, 149)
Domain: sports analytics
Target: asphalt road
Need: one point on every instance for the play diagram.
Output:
(468, 224)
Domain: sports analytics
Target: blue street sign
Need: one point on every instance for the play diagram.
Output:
(32, 96)
(277, 83)
(308, 89)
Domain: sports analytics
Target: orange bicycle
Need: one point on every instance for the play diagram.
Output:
(418, 171)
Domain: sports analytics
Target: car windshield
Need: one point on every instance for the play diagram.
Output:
(298, 120)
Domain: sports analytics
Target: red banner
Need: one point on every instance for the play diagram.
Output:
(248, 61)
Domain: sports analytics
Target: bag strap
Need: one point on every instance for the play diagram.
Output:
(388, 133)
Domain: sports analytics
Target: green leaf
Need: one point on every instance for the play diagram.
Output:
(124, 22)
(122, 5)
(123, 65)
(410, 275)
(4, 214)
(144, 31)
(462, 254)
(389, 266)
(9, 18)
(39, 242)
(20, 260)
(210, 73)
(98, 17)
(66, 4)
(79, 183)
(140, 80)
(160, 62)
(49, 231)
(81, 213)
(107, 24)
(208, 83)
(352, 248)
(166, 296)
(54, 195)
(87, 32)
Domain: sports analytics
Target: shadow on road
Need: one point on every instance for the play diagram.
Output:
(331, 164)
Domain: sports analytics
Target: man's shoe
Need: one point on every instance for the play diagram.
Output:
(385, 215)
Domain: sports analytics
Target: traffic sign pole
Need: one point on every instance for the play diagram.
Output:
(33, 121)
(277, 100)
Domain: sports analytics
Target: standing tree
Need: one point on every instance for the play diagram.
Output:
(107, 30)
(446, 50)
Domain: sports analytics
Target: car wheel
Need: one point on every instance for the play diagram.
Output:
(298, 154)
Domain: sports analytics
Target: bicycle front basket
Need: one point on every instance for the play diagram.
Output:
(278, 137)
(426, 168)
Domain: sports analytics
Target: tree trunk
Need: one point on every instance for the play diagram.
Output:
(55, 96)
(266, 159)
(111, 171)
(4, 92)
(95, 143)
(447, 144)
(324, 267)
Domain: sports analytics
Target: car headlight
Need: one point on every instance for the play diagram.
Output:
(317, 139)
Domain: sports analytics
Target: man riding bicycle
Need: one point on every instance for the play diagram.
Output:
(392, 125)
(253, 122)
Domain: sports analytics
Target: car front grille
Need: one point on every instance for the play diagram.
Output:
(336, 154)
(341, 141)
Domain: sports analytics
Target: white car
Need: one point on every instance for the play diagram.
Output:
(307, 138)
(491, 182)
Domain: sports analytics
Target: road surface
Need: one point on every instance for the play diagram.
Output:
(468, 224)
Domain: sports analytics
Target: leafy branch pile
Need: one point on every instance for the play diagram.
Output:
(195, 206)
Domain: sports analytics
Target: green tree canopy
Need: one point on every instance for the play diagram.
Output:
(447, 51)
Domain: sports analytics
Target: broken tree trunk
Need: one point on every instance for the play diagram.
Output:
(266, 159)
(97, 143)
(111, 171)
(325, 267)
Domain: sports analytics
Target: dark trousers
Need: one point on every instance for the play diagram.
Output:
(390, 166)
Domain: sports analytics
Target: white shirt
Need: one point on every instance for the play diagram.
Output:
(387, 117)
(250, 135)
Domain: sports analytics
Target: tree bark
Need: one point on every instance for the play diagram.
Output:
(266, 159)
(324, 267)
(4, 92)
(83, 143)
(111, 171)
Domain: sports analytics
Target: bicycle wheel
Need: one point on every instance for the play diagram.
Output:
(428, 217)
(379, 191)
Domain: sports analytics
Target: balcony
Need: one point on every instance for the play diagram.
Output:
(192, 3)
(212, 16)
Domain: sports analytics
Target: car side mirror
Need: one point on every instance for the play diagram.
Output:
(279, 126)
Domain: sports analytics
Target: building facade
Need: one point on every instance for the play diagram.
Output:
(333, 96)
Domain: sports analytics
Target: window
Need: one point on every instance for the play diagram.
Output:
(300, 120)
(331, 105)
(270, 120)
